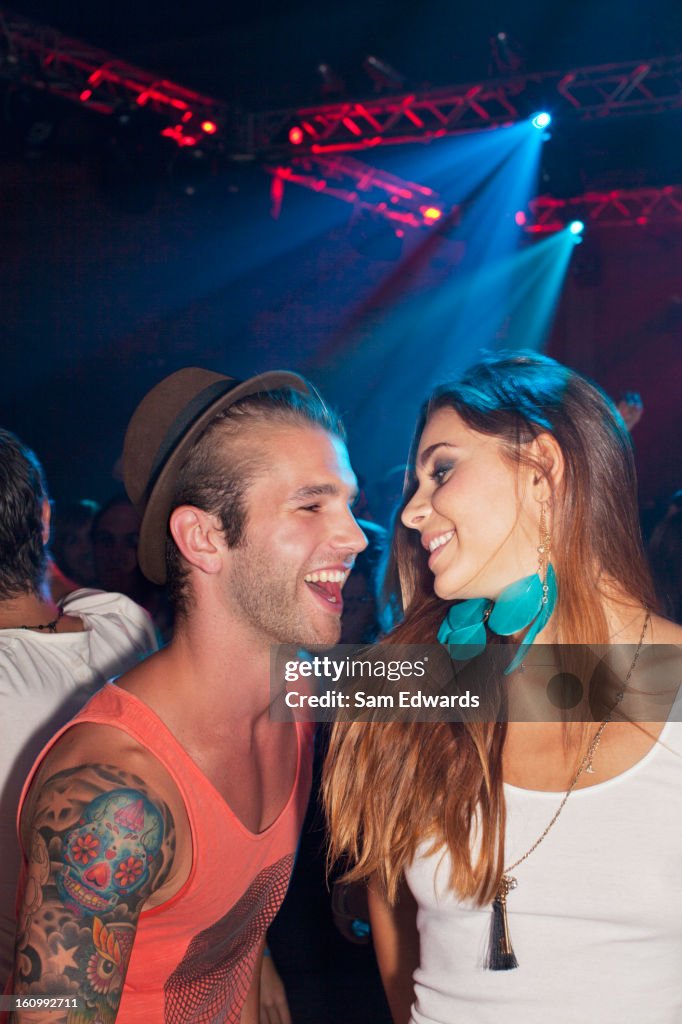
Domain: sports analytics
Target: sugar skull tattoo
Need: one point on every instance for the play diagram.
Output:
(101, 843)
(107, 856)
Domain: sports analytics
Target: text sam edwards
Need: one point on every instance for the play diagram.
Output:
(361, 699)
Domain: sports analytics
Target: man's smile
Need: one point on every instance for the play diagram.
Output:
(326, 585)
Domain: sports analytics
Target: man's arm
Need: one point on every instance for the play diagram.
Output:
(101, 840)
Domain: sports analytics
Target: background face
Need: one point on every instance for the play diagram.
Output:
(115, 540)
(77, 555)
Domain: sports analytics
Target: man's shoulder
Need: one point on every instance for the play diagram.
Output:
(91, 749)
(94, 742)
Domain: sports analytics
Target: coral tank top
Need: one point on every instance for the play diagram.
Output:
(194, 956)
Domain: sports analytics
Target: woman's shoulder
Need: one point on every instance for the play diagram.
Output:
(663, 631)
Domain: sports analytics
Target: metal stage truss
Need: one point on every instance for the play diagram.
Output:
(406, 204)
(43, 58)
(607, 90)
(610, 209)
(388, 196)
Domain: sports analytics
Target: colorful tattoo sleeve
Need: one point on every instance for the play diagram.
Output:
(100, 844)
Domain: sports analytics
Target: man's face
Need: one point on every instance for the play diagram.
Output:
(301, 539)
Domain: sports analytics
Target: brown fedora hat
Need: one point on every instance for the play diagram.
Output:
(163, 428)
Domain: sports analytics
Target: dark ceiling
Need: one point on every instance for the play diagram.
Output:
(100, 299)
(265, 53)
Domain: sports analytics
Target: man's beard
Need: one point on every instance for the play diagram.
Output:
(269, 598)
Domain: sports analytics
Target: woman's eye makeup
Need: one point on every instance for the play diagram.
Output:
(440, 471)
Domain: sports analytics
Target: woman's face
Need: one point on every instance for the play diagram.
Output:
(115, 542)
(474, 509)
(77, 557)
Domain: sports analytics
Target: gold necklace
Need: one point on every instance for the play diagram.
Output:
(501, 956)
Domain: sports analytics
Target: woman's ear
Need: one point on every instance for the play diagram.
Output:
(547, 453)
(197, 536)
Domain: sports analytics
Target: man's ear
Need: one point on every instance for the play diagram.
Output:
(198, 537)
(547, 478)
(46, 516)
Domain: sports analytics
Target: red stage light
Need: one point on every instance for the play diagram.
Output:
(431, 213)
(210, 127)
(296, 136)
(520, 218)
(85, 95)
(175, 133)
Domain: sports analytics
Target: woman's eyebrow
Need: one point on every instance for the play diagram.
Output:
(428, 452)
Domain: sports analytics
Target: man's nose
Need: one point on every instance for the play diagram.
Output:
(349, 534)
(357, 538)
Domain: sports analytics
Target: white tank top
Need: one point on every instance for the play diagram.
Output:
(596, 920)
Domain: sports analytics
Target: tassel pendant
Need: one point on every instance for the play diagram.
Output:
(501, 955)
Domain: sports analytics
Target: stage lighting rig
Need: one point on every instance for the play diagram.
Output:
(385, 77)
(508, 55)
(331, 83)
(431, 214)
(541, 120)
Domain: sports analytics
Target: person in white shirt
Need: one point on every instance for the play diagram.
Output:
(53, 656)
(524, 869)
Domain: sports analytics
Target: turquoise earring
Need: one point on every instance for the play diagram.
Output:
(528, 602)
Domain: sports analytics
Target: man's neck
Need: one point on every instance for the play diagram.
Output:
(218, 670)
(27, 609)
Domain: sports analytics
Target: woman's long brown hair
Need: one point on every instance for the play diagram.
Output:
(388, 787)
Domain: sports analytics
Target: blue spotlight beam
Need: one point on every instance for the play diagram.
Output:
(431, 338)
(483, 178)
(492, 294)
(453, 172)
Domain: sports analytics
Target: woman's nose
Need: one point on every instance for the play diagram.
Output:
(415, 512)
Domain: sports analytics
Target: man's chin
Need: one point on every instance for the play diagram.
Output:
(319, 637)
